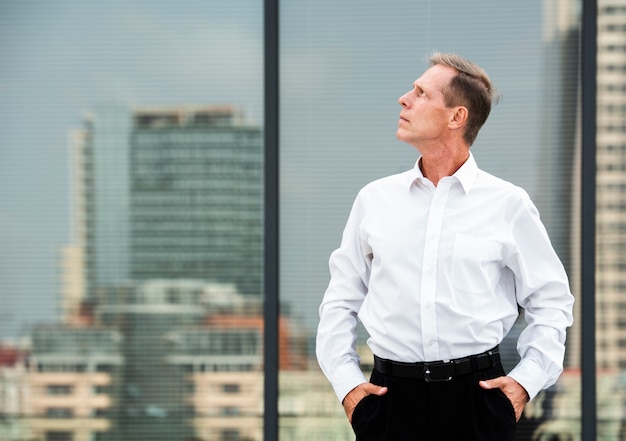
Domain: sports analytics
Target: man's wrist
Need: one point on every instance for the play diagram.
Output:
(346, 378)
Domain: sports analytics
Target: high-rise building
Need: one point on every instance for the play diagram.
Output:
(611, 186)
(172, 193)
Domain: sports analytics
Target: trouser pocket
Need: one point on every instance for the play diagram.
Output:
(368, 418)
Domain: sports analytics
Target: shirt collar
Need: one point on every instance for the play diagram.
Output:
(466, 174)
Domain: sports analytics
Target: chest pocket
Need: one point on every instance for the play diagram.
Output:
(476, 264)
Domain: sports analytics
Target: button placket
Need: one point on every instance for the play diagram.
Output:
(429, 275)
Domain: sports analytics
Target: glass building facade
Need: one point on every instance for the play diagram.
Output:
(173, 193)
(162, 258)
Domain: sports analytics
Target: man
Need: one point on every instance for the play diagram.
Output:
(434, 262)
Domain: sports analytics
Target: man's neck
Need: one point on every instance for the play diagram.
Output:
(441, 163)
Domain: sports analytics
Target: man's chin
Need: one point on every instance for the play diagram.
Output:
(401, 135)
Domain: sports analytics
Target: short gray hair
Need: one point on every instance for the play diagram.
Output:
(471, 88)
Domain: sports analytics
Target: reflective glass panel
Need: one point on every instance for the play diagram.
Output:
(131, 238)
(343, 67)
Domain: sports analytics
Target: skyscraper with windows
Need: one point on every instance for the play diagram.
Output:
(172, 193)
(611, 186)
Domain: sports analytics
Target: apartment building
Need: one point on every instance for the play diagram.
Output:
(73, 383)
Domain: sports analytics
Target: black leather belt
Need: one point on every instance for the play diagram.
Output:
(438, 370)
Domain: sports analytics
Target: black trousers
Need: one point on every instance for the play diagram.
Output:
(415, 410)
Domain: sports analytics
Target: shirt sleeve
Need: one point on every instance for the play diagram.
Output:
(542, 289)
(336, 335)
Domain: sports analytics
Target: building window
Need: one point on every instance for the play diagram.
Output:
(101, 389)
(230, 435)
(100, 413)
(104, 368)
(230, 411)
(190, 388)
(59, 412)
(59, 389)
(55, 435)
(231, 388)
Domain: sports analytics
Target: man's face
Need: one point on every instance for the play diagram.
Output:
(424, 116)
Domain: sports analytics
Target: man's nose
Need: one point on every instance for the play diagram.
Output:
(404, 100)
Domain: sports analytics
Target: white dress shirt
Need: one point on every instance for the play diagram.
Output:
(437, 273)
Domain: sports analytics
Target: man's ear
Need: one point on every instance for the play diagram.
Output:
(458, 117)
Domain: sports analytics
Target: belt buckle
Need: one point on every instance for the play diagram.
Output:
(429, 379)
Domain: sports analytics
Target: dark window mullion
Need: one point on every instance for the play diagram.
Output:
(588, 224)
(271, 270)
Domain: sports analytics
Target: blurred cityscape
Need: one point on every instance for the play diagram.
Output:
(161, 330)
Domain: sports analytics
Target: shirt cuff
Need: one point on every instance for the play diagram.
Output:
(345, 378)
(530, 376)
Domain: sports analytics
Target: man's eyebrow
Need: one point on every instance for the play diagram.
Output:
(418, 87)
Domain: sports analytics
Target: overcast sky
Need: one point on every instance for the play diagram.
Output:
(343, 66)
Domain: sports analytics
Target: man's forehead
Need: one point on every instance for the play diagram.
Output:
(437, 75)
